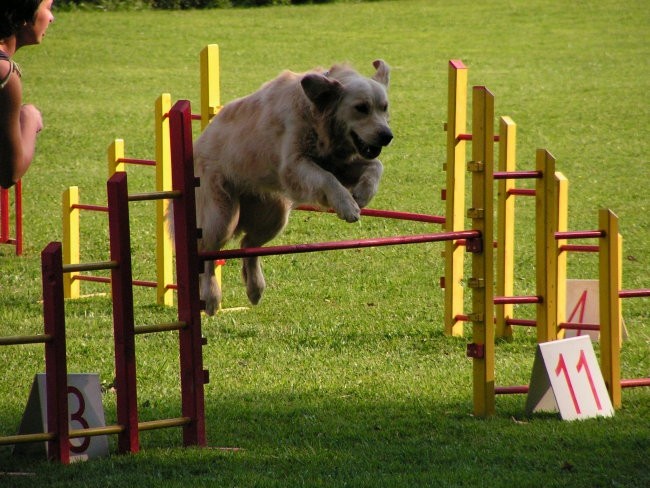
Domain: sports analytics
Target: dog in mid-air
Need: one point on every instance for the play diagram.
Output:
(309, 138)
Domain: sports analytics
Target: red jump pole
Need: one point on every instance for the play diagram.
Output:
(4, 216)
(193, 377)
(56, 373)
(527, 192)
(580, 234)
(18, 194)
(635, 382)
(518, 175)
(517, 300)
(642, 292)
(580, 247)
(123, 320)
(387, 214)
(522, 322)
(511, 390)
(338, 245)
(5, 210)
(142, 162)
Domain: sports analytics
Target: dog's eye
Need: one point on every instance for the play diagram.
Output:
(384, 107)
(362, 108)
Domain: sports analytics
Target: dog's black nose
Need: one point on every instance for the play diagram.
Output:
(385, 137)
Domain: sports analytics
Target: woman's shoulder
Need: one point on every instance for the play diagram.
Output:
(7, 67)
(5, 70)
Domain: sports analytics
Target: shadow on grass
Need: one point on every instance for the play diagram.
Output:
(286, 439)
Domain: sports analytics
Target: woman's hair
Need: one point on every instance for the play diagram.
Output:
(14, 13)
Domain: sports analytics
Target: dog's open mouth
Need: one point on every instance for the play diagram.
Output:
(366, 150)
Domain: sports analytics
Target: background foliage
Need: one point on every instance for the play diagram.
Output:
(184, 4)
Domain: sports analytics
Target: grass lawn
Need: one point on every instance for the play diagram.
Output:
(342, 375)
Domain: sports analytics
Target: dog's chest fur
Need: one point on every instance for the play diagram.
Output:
(323, 145)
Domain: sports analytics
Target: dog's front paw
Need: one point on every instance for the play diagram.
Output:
(368, 184)
(362, 194)
(350, 211)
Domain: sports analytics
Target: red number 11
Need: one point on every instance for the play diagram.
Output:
(582, 364)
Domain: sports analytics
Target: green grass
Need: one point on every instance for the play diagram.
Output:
(342, 376)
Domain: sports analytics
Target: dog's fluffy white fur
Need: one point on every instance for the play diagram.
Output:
(301, 138)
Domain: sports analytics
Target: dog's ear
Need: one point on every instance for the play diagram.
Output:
(383, 72)
(320, 90)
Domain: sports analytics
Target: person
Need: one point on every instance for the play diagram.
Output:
(22, 23)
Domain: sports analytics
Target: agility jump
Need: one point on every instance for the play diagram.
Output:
(552, 236)
(190, 341)
(477, 241)
(210, 104)
(193, 376)
(187, 236)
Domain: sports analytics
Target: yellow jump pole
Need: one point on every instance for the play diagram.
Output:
(164, 245)
(210, 99)
(115, 153)
(210, 83)
(505, 226)
(609, 286)
(482, 280)
(70, 244)
(620, 285)
(455, 195)
(545, 247)
(561, 192)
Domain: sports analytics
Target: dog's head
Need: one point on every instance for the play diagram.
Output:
(357, 105)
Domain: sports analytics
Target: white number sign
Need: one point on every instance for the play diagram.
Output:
(566, 377)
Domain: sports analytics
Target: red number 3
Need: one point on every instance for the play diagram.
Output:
(78, 417)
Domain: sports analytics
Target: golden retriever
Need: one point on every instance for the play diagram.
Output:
(310, 138)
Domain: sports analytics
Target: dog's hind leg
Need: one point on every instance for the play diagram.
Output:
(209, 289)
(217, 215)
(261, 219)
